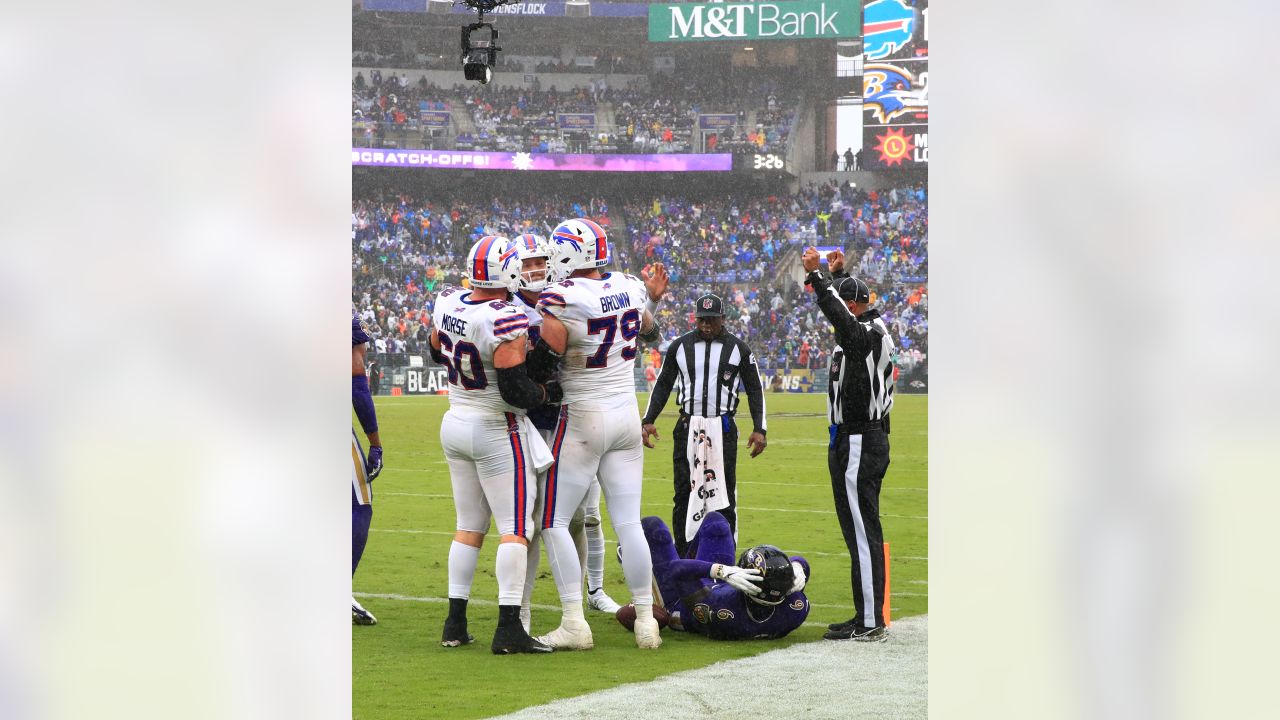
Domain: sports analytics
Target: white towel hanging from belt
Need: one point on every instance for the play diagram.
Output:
(707, 488)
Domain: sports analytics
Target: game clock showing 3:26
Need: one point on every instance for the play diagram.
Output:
(759, 163)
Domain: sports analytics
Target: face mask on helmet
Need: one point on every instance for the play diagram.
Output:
(494, 263)
(579, 244)
(776, 568)
(534, 275)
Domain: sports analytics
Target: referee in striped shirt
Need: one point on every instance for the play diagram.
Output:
(859, 397)
(706, 365)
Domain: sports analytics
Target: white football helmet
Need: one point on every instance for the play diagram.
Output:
(533, 246)
(578, 244)
(494, 262)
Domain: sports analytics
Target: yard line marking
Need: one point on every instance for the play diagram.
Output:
(539, 606)
(472, 601)
(896, 558)
(430, 495)
(803, 510)
(824, 485)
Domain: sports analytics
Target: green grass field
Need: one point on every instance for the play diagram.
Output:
(400, 670)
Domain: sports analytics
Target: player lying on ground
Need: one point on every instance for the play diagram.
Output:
(761, 596)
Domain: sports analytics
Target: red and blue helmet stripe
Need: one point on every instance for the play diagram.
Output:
(479, 266)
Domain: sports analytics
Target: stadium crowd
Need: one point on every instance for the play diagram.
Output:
(662, 117)
(405, 249)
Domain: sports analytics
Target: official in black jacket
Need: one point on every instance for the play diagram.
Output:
(859, 398)
(706, 365)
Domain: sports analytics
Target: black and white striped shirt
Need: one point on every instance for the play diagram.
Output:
(707, 375)
(860, 388)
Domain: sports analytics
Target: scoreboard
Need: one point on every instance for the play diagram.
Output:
(895, 83)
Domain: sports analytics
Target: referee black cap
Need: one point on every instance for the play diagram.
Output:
(709, 306)
(851, 288)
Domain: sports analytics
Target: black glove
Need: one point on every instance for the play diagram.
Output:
(554, 393)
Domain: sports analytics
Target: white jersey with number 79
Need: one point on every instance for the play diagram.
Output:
(603, 318)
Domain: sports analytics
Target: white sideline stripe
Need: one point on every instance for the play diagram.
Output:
(536, 606)
(892, 681)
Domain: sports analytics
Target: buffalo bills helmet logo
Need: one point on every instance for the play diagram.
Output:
(887, 26)
(506, 256)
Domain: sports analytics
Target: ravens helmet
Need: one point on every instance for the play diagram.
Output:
(776, 568)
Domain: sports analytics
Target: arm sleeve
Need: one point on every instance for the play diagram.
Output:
(542, 361)
(662, 389)
(755, 392)
(655, 332)
(362, 401)
(690, 570)
(852, 335)
(517, 389)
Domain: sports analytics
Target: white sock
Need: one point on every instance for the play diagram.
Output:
(510, 569)
(572, 610)
(462, 569)
(563, 558)
(595, 554)
(644, 612)
(531, 570)
(637, 565)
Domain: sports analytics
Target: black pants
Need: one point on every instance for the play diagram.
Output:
(857, 463)
(680, 460)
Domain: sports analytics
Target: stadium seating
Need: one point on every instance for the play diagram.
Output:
(660, 116)
(405, 249)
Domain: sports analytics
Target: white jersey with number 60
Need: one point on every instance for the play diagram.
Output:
(603, 318)
(470, 332)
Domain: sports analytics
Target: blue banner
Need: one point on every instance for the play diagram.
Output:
(717, 121)
(435, 118)
(570, 121)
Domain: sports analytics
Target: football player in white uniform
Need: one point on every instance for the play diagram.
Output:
(591, 323)
(492, 449)
(588, 535)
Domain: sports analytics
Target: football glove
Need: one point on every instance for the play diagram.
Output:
(373, 463)
(800, 580)
(743, 579)
(554, 393)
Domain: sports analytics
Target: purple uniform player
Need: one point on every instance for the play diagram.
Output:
(759, 597)
(364, 468)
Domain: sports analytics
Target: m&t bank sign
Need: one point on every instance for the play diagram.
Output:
(798, 20)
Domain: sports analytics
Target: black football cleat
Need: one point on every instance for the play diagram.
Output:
(512, 639)
(859, 634)
(455, 633)
(843, 625)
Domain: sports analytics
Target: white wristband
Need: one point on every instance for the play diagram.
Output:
(651, 306)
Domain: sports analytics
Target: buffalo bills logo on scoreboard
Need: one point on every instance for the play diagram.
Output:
(887, 27)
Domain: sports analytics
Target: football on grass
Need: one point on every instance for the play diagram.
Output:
(627, 616)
